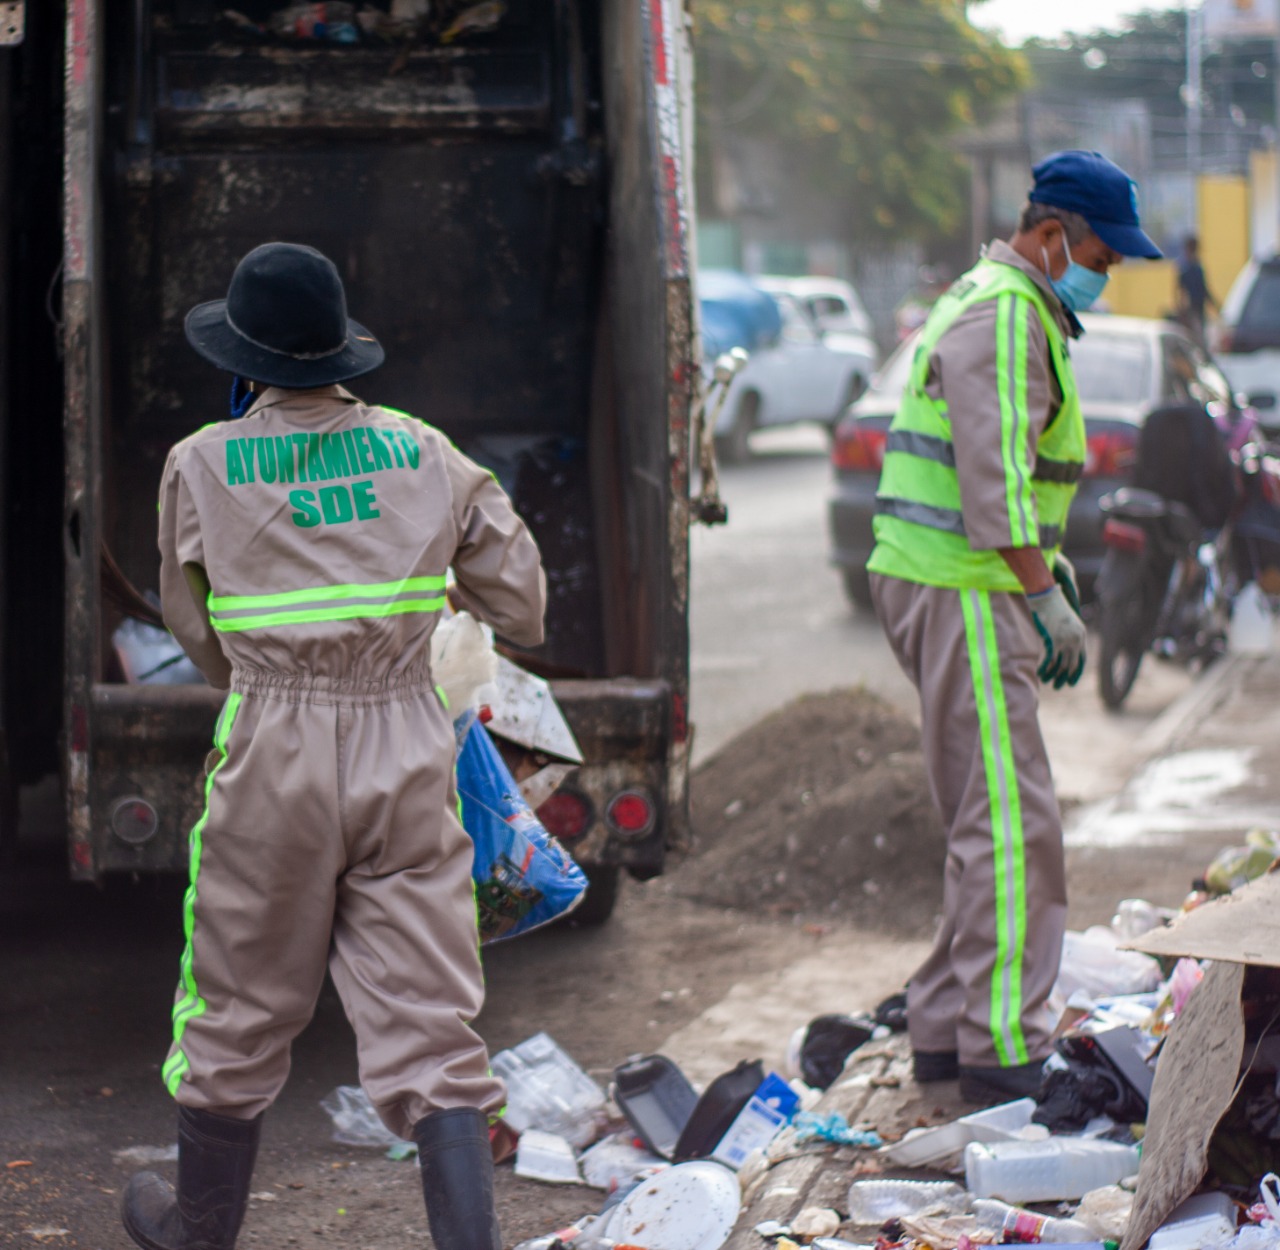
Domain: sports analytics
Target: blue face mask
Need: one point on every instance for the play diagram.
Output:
(1078, 288)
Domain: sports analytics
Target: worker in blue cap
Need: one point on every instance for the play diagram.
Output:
(980, 605)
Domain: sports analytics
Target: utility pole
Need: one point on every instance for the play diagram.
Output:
(1194, 88)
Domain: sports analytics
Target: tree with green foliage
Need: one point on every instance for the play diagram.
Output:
(871, 91)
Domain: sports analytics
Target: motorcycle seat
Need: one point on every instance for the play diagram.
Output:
(1134, 504)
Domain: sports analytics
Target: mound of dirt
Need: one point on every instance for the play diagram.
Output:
(822, 808)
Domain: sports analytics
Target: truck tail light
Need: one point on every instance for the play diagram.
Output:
(630, 813)
(858, 448)
(134, 820)
(566, 815)
(1111, 453)
(1123, 536)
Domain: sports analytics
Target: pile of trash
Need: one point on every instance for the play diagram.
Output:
(666, 1156)
(1157, 1122)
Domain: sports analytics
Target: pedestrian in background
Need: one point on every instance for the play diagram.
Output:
(978, 602)
(1193, 290)
(303, 558)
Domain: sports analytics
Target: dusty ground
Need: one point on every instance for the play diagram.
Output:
(820, 810)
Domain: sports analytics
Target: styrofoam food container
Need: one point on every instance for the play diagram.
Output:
(691, 1206)
(1202, 1220)
(1010, 1121)
(546, 1157)
(922, 1146)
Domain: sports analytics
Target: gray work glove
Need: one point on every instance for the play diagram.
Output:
(1064, 635)
(1064, 573)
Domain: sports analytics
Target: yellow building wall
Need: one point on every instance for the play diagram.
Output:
(1222, 209)
(1264, 203)
(1143, 288)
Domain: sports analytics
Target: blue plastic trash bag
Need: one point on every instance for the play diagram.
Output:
(524, 878)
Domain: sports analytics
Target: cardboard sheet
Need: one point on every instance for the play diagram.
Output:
(1243, 927)
(1195, 1080)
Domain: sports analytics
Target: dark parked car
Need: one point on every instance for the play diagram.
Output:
(1125, 367)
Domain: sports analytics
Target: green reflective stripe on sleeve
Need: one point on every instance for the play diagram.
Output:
(318, 594)
(192, 1004)
(343, 612)
(175, 1068)
(1008, 857)
(1011, 384)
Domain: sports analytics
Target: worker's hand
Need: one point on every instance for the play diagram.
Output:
(1064, 573)
(1064, 636)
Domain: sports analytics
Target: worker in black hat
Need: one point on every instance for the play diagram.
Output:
(980, 605)
(303, 559)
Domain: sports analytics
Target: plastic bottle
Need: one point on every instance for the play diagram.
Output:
(873, 1202)
(1019, 1227)
(1046, 1171)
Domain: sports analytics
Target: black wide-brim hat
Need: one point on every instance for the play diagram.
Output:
(284, 322)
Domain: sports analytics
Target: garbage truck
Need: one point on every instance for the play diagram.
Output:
(505, 191)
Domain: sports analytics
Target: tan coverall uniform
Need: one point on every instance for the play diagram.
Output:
(983, 988)
(330, 833)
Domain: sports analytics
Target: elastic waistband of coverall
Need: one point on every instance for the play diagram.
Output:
(323, 690)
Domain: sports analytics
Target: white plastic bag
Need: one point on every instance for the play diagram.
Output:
(1251, 629)
(355, 1122)
(616, 1160)
(546, 1090)
(462, 660)
(151, 656)
(1092, 962)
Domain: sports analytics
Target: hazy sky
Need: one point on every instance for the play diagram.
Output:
(1019, 19)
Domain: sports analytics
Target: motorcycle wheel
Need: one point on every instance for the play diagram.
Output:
(1121, 641)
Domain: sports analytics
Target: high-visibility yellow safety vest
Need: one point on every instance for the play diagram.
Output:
(919, 528)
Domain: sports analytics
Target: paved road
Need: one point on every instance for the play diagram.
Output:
(769, 622)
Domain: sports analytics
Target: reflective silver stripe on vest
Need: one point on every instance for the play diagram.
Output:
(941, 451)
(946, 519)
(1063, 471)
(926, 446)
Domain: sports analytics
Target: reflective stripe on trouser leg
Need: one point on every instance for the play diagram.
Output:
(1008, 851)
(191, 1004)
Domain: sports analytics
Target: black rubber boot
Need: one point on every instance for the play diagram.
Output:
(457, 1179)
(215, 1166)
(935, 1065)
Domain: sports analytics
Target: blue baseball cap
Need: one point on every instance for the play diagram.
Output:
(1101, 192)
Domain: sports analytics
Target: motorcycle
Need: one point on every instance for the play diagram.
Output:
(1163, 587)
(1177, 556)
(1171, 564)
